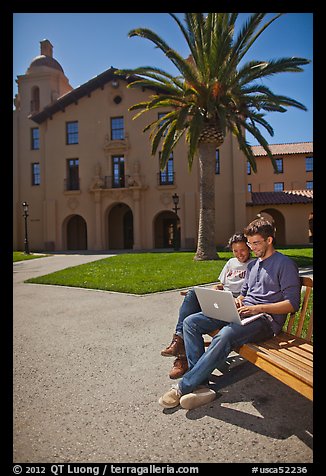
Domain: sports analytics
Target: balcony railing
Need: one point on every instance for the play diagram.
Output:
(71, 184)
(122, 181)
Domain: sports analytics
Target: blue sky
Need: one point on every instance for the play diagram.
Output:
(86, 44)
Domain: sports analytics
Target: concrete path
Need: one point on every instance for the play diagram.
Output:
(88, 374)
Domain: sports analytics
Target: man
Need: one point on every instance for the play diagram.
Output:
(271, 287)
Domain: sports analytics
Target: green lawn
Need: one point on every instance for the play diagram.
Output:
(143, 273)
(138, 273)
(21, 256)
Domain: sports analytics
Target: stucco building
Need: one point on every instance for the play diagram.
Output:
(85, 168)
(286, 196)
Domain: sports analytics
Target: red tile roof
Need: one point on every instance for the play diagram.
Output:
(83, 90)
(285, 149)
(281, 198)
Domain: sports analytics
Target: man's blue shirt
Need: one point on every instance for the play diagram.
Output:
(273, 279)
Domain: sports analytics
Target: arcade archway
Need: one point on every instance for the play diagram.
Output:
(277, 219)
(76, 233)
(167, 230)
(120, 227)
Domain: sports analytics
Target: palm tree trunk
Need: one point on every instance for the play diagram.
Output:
(206, 246)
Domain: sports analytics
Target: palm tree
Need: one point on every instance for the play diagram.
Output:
(213, 94)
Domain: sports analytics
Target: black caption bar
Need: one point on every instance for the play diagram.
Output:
(102, 469)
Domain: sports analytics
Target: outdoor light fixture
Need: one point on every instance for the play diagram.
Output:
(115, 83)
(175, 199)
(176, 231)
(25, 215)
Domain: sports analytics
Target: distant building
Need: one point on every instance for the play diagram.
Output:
(85, 169)
(286, 196)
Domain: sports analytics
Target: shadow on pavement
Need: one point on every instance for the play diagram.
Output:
(251, 399)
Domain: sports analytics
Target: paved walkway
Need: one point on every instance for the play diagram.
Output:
(88, 374)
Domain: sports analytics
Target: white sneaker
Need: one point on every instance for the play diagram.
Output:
(197, 398)
(171, 398)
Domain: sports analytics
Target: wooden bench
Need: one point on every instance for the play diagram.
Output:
(287, 356)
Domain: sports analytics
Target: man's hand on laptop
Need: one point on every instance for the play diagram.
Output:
(238, 301)
(246, 311)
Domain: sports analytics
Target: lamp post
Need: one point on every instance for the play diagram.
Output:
(175, 199)
(25, 215)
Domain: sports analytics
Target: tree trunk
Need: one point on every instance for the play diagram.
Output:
(206, 246)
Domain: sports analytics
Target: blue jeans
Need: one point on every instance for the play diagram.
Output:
(189, 306)
(201, 363)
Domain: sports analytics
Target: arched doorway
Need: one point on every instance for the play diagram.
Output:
(120, 227)
(167, 230)
(76, 233)
(277, 218)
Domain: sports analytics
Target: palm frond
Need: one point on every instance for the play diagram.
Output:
(192, 136)
(262, 141)
(252, 34)
(259, 119)
(188, 35)
(167, 144)
(157, 135)
(151, 36)
(260, 69)
(244, 146)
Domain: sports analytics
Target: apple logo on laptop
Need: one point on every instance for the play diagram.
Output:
(216, 305)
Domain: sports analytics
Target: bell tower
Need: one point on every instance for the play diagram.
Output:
(43, 82)
(41, 85)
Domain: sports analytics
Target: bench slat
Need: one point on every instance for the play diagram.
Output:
(295, 367)
(301, 383)
(292, 348)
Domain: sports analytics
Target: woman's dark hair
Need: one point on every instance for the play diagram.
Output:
(237, 238)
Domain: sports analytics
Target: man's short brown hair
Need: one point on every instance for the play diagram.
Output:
(260, 226)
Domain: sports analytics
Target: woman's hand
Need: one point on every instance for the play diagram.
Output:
(218, 286)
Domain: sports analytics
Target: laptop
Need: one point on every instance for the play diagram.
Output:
(220, 305)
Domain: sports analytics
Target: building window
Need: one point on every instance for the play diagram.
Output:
(249, 188)
(72, 181)
(35, 100)
(166, 176)
(248, 168)
(309, 164)
(36, 175)
(279, 165)
(35, 138)
(72, 132)
(217, 162)
(117, 128)
(278, 186)
(118, 171)
(117, 99)
(309, 185)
